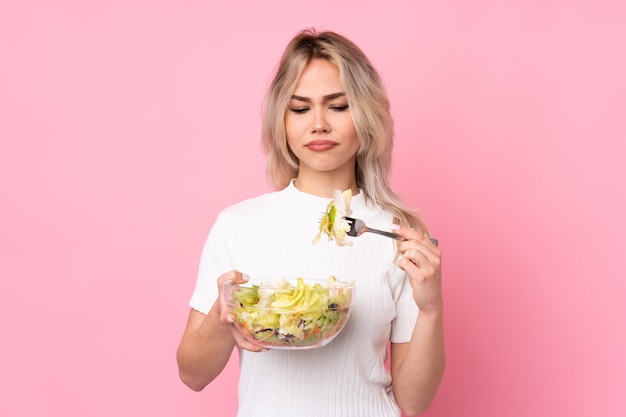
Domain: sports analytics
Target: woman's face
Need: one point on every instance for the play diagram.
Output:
(319, 126)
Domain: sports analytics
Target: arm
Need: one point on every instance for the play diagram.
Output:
(204, 350)
(208, 341)
(417, 367)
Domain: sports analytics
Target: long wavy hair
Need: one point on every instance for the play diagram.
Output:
(369, 107)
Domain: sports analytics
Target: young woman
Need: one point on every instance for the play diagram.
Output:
(326, 127)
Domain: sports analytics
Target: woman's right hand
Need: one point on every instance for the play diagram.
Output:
(226, 317)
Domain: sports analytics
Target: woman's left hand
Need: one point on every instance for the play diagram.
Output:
(421, 260)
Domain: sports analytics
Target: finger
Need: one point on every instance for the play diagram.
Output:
(405, 232)
(234, 276)
(419, 261)
(415, 258)
(412, 234)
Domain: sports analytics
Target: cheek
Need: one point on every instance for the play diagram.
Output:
(291, 139)
(349, 133)
(292, 128)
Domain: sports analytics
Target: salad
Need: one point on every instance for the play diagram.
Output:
(333, 223)
(284, 314)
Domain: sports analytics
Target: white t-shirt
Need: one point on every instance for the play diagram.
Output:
(271, 236)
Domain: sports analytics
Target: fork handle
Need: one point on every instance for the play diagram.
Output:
(397, 236)
(388, 234)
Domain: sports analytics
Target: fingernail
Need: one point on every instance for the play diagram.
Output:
(229, 319)
(395, 227)
(245, 277)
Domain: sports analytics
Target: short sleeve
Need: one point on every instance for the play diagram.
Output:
(215, 260)
(406, 311)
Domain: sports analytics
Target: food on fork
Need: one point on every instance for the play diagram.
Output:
(333, 222)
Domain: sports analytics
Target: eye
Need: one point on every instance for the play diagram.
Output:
(338, 108)
(299, 110)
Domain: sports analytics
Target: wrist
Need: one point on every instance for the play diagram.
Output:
(432, 314)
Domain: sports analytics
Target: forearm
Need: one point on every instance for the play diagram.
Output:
(418, 375)
(204, 349)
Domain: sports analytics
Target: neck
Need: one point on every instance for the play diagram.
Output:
(324, 184)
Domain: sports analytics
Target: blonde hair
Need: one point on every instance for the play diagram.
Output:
(369, 107)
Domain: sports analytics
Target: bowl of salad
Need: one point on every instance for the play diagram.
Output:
(290, 313)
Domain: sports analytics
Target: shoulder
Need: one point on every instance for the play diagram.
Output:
(249, 206)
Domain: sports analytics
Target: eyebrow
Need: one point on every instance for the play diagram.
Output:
(327, 97)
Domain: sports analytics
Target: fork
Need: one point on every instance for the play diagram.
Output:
(358, 227)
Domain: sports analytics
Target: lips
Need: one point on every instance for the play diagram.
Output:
(321, 145)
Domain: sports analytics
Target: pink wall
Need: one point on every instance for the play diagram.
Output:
(125, 127)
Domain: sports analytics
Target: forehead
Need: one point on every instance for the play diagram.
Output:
(319, 77)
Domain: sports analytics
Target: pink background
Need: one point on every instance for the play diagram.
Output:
(126, 125)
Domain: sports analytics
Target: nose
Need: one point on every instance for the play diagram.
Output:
(320, 124)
